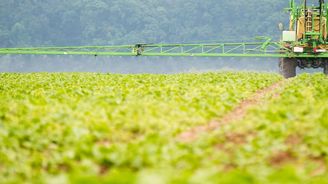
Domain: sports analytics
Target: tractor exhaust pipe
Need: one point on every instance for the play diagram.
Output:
(305, 17)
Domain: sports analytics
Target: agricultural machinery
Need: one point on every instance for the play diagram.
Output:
(303, 45)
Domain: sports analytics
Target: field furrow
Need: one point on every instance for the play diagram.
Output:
(101, 127)
(95, 128)
(282, 140)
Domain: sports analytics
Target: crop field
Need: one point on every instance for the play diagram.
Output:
(157, 129)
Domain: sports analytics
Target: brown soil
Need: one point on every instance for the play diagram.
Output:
(321, 166)
(293, 140)
(236, 114)
(229, 167)
(103, 169)
(237, 138)
(281, 158)
(64, 167)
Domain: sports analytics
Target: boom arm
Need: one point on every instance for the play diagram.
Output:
(265, 48)
(252, 49)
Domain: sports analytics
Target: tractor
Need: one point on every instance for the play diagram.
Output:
(306, 38)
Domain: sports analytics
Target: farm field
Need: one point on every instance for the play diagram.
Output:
(109, 128)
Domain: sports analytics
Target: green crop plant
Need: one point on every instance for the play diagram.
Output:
(78, 128)
(106, 128)
(282, 140)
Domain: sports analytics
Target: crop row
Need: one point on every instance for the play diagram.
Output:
(106, 127)
(282, 140)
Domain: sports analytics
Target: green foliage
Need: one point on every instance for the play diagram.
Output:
(98, 128)
(90, 128)
(284, 138)
(103, 22)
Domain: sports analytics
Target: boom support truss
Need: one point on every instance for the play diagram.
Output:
(250, 49)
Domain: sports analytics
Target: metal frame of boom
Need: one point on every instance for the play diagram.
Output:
(265, 48)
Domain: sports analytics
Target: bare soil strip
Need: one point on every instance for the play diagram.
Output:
(236, 114)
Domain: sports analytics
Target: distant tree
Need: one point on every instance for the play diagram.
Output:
(106, 22)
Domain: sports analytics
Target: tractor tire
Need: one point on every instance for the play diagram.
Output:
(287, 67)
(325, 68)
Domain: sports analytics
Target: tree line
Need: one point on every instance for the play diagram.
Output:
(108, 22)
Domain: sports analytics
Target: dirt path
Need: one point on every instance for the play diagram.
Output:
(236, 114)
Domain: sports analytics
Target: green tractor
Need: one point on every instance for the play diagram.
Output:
(306, 38)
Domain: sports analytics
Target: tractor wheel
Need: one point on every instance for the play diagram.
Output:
(287, 67)
(325, 68)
